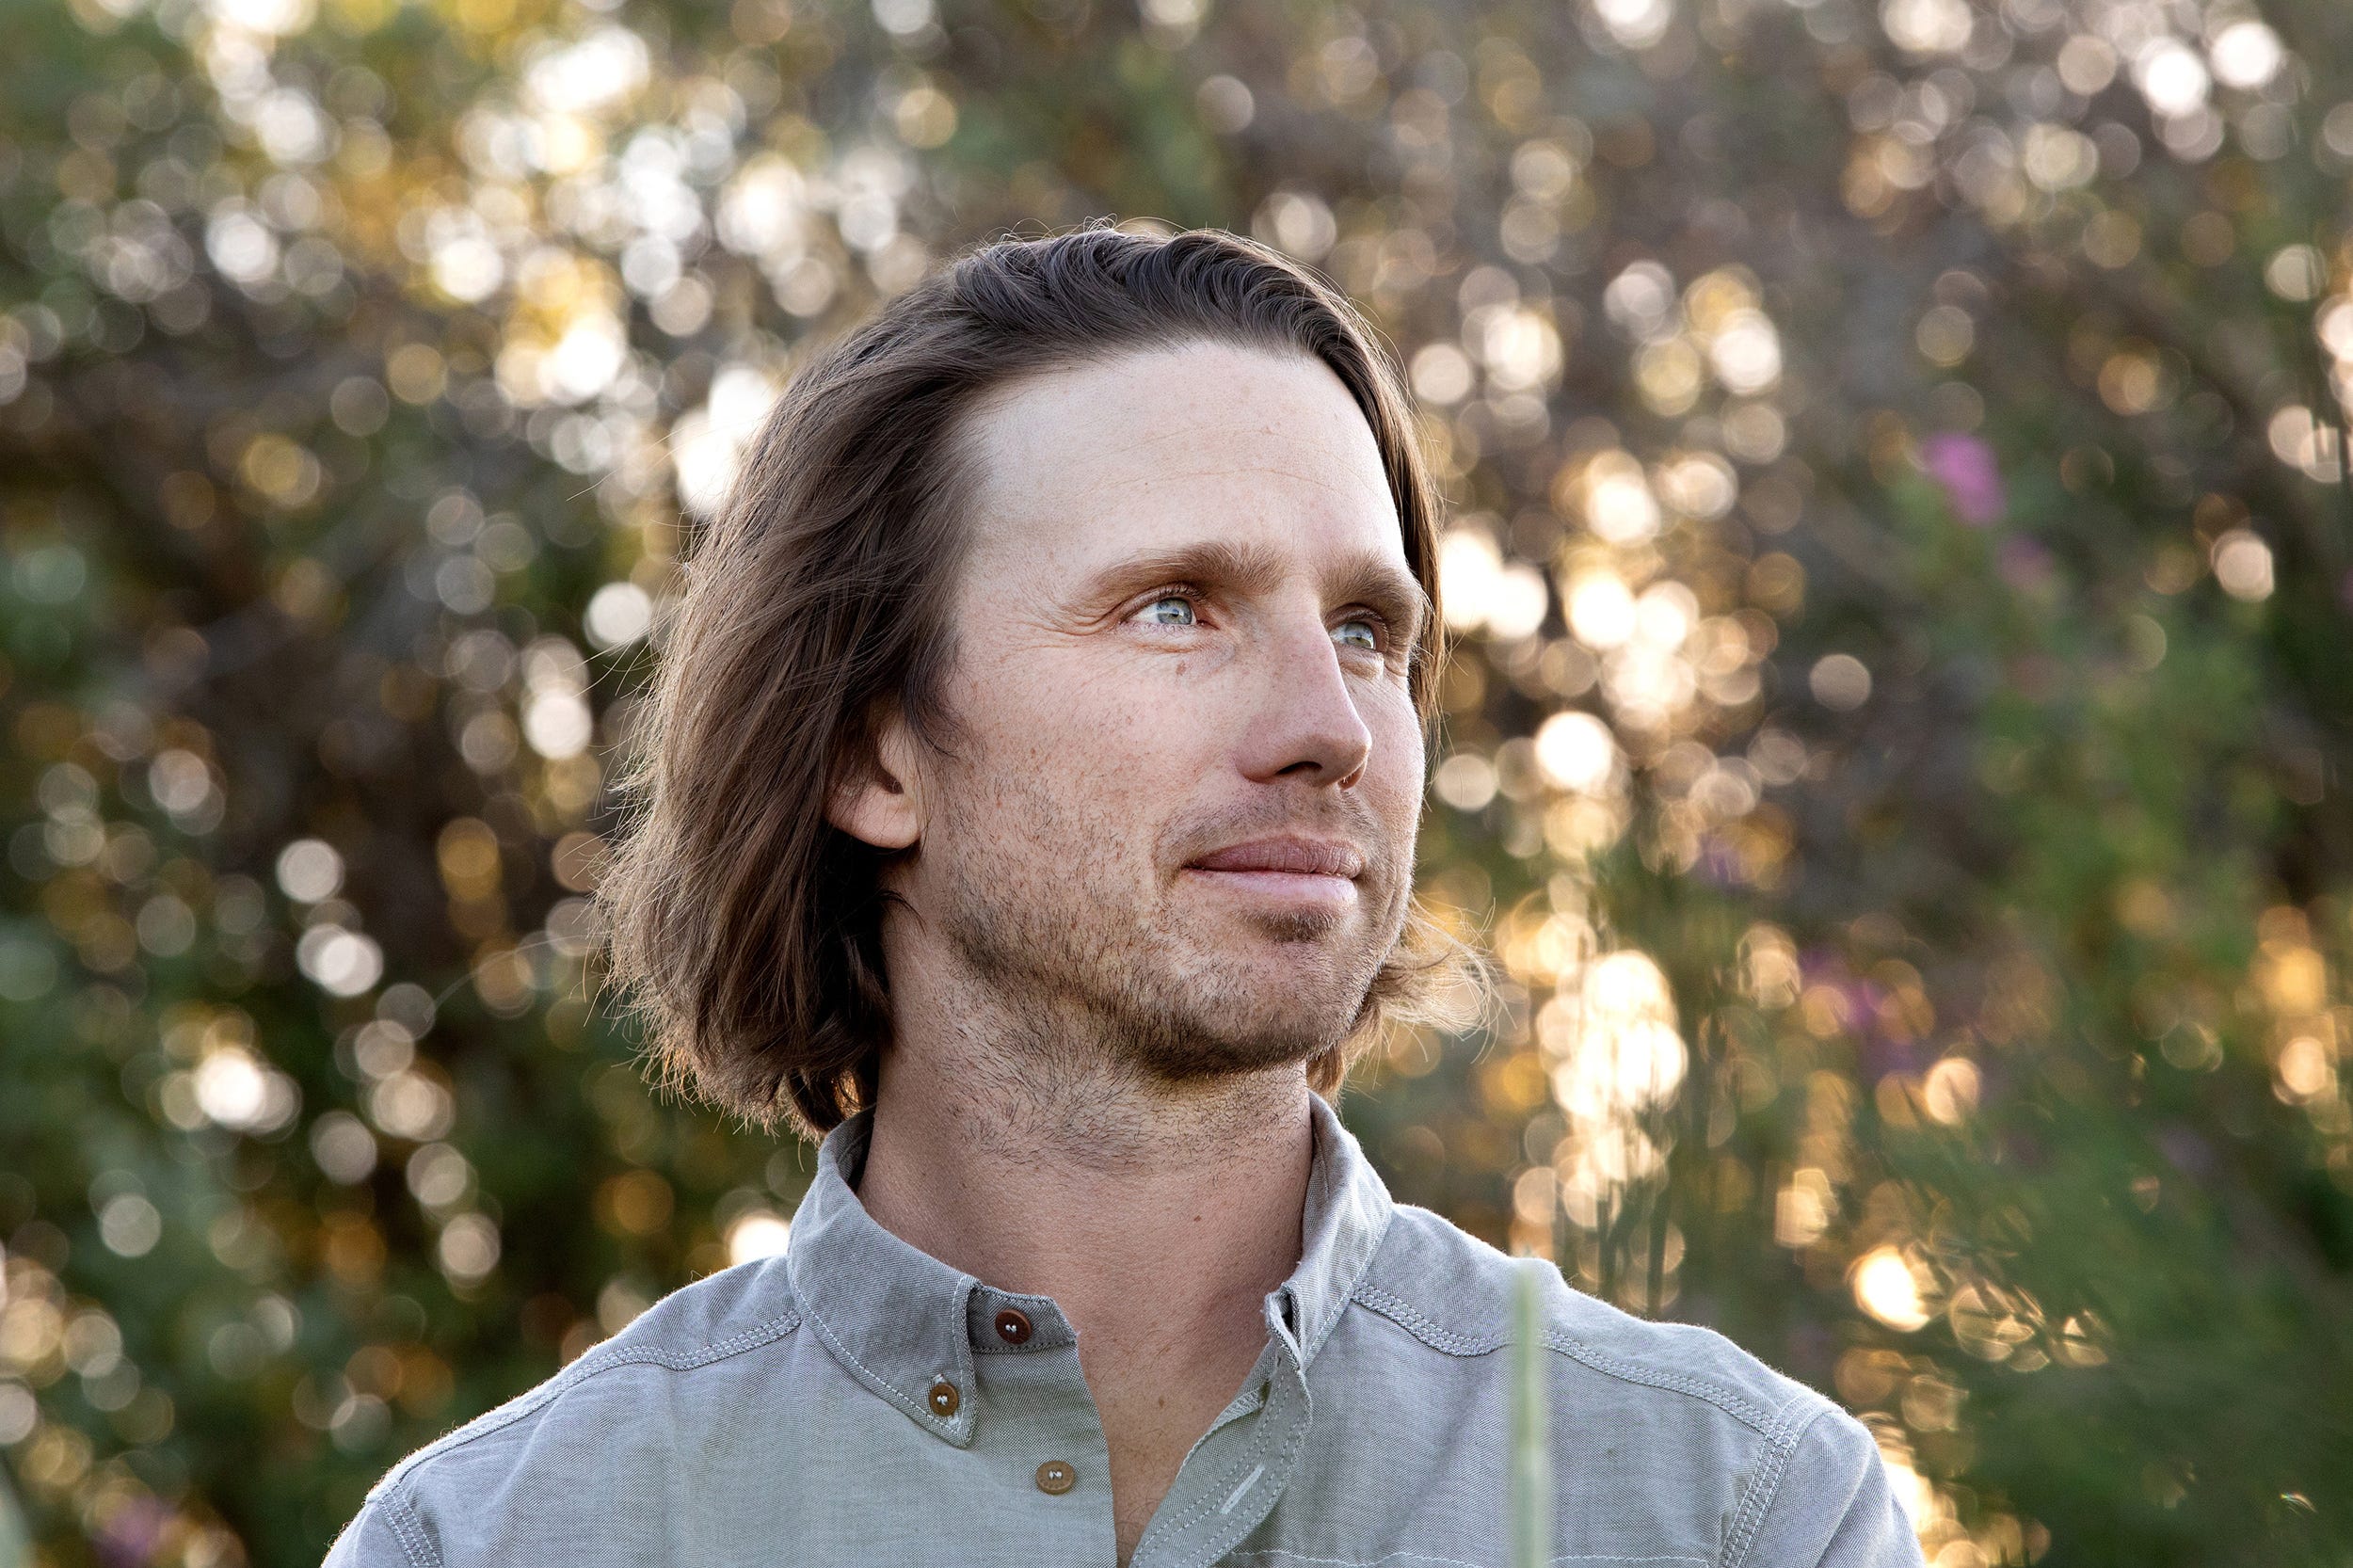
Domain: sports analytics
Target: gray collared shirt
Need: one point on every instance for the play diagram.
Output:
(857, 1401)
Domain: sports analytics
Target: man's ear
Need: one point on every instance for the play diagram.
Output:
(881, 804)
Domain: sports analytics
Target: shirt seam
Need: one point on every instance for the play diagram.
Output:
(1732, 1404)
(1780, 1429)
(1765, 1488)
(907, 1403)
(1283, 1456)
(833, 1342)
(599, 1359)
(1285, 1462)
(400, 1516)
(1406, 1315)
(1261, 1440)
(1322, 1331)
(1765, 1423)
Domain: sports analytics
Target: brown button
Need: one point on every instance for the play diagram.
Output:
(1055, 1478)
(944, 1397)
(1013, 1327)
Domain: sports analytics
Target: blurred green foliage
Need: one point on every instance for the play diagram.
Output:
(1899, 746)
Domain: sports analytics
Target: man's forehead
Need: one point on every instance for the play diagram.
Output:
(1204, 424)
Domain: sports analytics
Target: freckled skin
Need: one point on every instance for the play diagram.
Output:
(1099, 754)
(1095, 1088)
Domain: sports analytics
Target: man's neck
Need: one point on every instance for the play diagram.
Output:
(1112, 1202)
(1157, 1217)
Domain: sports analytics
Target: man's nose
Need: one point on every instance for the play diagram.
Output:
(1306, 725)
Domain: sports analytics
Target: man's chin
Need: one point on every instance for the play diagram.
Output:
(1195, 1055)
(1286, 1000)
(1290, 931)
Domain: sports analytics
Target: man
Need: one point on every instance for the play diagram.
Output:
(1030, 806)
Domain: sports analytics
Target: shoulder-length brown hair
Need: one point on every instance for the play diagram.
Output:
(746, 925)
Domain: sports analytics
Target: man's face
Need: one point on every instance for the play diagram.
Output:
(1177, 814)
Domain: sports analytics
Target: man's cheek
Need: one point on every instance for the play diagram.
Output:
(1133, 749)
(1082, 777)
(1398, 789)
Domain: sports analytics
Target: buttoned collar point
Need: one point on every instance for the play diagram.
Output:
(1346, 1216)
(904, 1323)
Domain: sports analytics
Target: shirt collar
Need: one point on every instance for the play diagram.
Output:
(902, 1322)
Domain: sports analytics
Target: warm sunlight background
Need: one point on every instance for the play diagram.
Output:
(1897, 749)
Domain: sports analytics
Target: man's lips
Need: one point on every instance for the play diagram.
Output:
(1286, 854)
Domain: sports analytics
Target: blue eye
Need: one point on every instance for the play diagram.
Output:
(1358, 633)
(1174, 610)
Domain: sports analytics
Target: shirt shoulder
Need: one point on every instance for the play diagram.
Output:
(1771, 1469)
(581, 1409)
(1454, 1292)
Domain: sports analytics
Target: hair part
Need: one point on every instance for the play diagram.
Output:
(743, 925)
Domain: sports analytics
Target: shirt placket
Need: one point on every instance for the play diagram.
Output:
(1235, 1473)
(1038, 1441)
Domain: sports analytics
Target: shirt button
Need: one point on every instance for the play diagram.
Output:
(1056, 1478)
(1013, 1327)
(944, 1397)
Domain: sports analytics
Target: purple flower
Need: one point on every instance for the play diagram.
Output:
(1972, 480)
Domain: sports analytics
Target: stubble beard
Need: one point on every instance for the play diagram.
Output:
(1170, 993)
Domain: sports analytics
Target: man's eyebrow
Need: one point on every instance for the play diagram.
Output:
(1238, 567)
(1380, 583)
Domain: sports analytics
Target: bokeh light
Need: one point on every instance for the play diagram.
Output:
(1895, 743)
